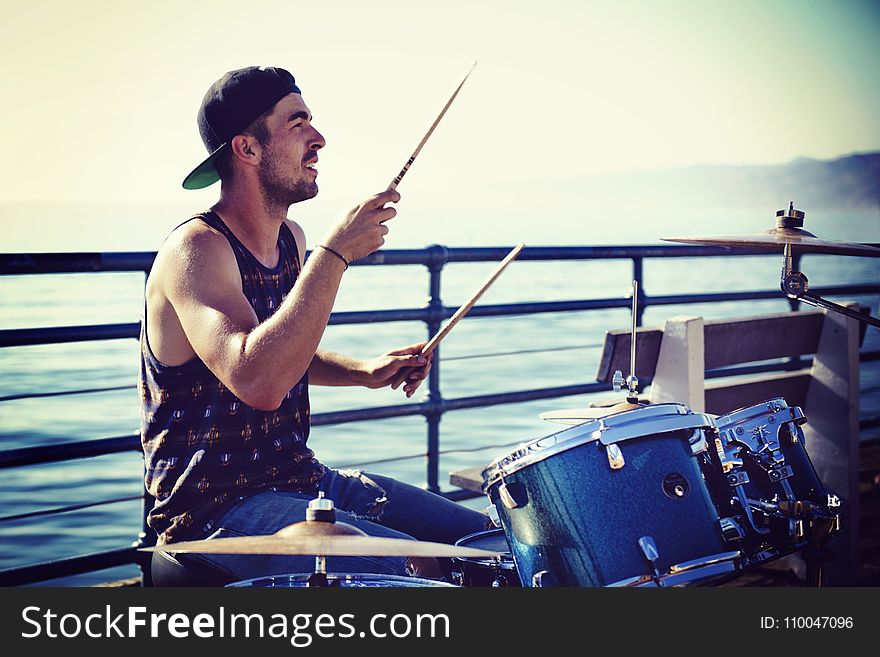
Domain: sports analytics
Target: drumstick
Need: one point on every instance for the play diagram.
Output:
(463, 310)
(396, 181)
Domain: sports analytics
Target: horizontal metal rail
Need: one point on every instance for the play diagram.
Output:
(131, 261)
(84, 333)
(84, 563)
(65, 451)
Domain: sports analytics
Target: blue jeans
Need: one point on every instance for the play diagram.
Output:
(380, 506)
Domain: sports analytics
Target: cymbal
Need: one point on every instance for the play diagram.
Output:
(774, 241)
(573, 416)
(315, 538)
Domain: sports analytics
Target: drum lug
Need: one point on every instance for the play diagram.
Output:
(544, 579)
(615, 457)
(513, 495)
(698, 442)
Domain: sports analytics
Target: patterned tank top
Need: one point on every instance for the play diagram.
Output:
(204, 448)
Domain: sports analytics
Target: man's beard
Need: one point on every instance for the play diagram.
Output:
(280, 191)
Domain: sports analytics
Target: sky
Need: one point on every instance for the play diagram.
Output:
(100, 104)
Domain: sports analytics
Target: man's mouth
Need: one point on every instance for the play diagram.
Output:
(310, 165)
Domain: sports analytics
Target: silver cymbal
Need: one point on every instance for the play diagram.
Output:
(574, 416)
(315, 538)
(774, 241)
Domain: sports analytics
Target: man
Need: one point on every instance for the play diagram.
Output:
(232, 324)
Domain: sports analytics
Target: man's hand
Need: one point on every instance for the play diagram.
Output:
(382, 371)
(362, 231)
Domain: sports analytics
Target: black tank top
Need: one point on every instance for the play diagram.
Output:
(204, 448)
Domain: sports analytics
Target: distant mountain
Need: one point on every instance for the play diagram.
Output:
(846, 183)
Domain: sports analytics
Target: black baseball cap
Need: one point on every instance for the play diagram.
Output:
(231, 104)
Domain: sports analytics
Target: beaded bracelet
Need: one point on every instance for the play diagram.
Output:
(336, 253)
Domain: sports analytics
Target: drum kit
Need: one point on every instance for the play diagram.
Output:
(629, 495)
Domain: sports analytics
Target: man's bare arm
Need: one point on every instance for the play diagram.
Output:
(197, 273)
(260, 363)
(333, 369)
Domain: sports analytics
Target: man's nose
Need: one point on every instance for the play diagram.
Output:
(317, 141)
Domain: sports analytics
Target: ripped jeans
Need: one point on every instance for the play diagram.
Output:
(380, 506)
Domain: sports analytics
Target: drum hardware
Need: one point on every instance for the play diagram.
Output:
(632, 382)
(731, 530)
(513, 495)
(706, 570)
(544, 579)
(787, 236)
(340, 580)
(618, 383)
(649, 550)
(771, 485)
(615, 457)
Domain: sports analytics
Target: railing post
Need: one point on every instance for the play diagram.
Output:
(438, 258)
(794, 304)
(146, 537)
(638, 276)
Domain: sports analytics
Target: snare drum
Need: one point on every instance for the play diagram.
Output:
(615, 501)
(298, 580)
(496, 572)
(761, 477)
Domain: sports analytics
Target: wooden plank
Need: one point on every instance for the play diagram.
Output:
(468, 478)
(763, 337)
(680, 375)
(723, 397)
(615, 353)
(832, 434)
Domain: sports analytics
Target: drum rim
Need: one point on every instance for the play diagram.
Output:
(504, 561)
(531, 452)
(296, 577)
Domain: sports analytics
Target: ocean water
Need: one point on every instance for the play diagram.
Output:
(481, 356)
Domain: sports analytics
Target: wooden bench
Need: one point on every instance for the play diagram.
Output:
(675, 359)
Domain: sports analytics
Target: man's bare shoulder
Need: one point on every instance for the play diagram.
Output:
(193, 251)
(300, 236)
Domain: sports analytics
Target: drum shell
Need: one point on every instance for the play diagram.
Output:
(582, 520)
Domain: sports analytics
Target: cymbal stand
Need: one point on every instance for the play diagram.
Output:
(631, 382)
(796, 286)
(320, 509)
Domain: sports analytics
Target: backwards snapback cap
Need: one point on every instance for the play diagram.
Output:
(231, 104)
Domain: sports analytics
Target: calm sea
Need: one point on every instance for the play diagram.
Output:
(481, 356)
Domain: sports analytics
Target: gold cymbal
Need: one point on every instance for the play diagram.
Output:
(774, 241)
(315, 538)
(573, 416)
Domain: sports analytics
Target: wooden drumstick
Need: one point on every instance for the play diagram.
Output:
(462, 311)
(396, 181)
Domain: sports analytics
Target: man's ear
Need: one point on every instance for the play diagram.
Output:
(246, 148)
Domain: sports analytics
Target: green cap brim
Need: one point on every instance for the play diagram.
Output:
(205, 174)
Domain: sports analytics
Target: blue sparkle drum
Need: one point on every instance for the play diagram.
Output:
(298, 580)
(615, 501)
(762, 479)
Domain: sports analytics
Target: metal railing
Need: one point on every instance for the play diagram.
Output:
(434, 258)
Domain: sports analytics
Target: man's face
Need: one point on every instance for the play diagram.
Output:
(287, 170)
